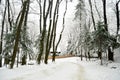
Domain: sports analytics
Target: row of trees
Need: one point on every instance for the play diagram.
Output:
(93, 34)
(49, 16)
(15, 40)
(14, 35)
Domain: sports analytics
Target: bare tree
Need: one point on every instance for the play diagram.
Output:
(44, 12)
(19, 26)
(55, 47)
(50, 30)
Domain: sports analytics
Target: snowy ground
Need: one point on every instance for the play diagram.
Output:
(64, 69)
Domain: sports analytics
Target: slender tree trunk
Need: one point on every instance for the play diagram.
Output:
(104, 13)
(9, 15)
(42, 41)
(40, 22)
(110, 54)
(54, 33)
(45, 49)
(92, 15)
(25, 27)
(51, 35)
(55, 51)
(1, 41)
(18, 57)
(24, 59)
(86, 55)
(117, 16)
(18, 33)
(81, 54)
(100, 53)
(89, 55)
(42, 32)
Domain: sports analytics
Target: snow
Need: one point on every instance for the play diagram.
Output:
(61, 70)
(64, 69)
(94, 71)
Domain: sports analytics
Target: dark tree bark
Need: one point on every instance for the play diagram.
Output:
(1, 41)
(52, 31)
(92, 15)
(48, 45)
(19, 24)
(110, 54)
(25, 28)
(39, 2)
(18, 58)
(43, 31)
(89, 55)
(55, 50)
(105, 16)
(9, 15)
(99, 54)
(117, 16)
(81, 54)
(24, 60)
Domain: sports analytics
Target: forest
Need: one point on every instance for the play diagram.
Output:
(45, 30)
(59, 39)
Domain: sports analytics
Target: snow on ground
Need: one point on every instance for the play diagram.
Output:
(60, 70)
(94, 71)
(64, 69)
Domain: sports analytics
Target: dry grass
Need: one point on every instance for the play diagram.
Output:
(57, 57)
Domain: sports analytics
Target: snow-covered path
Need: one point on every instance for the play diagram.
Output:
(64, 69)
(53, 71)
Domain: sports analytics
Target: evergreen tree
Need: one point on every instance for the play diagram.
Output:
(100, 39)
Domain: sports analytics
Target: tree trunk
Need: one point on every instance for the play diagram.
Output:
(52, 32)
(43, 29)
(1, 41)
(24, 60)
(9, 16)
(18, 57)
(104, 13)
(81, 54)
(89, 55)
(92, 15)
(110, 54)
(55, 50)
(99, 54)
(48, 45)
(86, 55)
(117, 16)
(40, 24)
(101, 57)
(18, 33)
